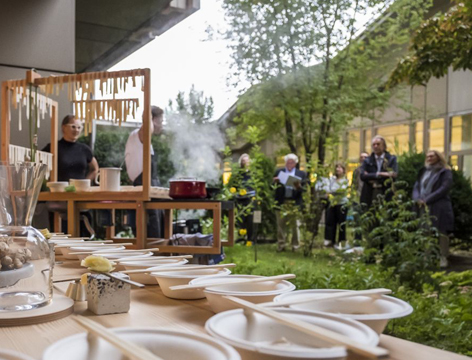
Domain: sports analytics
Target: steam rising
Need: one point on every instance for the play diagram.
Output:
(195, 148)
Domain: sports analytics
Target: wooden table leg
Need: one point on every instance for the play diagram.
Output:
(217, 226)
(73, 220)
(141, 225)
(231, 223)
(168, 219)
(57, 223)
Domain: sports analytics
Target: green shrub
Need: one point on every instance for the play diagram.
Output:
(398, 238)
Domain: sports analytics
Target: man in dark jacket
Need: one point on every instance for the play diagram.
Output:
(376, 170)
(286, 194)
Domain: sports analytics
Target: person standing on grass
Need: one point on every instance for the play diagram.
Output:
(286, 195)
(431, 190)
(336, 212)
(376, 170)
(357, 183)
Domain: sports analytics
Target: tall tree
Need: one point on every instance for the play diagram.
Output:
(311, 67)
(194, 106)
(442, 42)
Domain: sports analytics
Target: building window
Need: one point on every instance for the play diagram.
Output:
(454, 161)
(354, 141)
(368, 141)
(461, 132)
(436, 134)
(396, 136)
(419, 131)
(467, 166)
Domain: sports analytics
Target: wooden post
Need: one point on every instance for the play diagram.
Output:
(217, 226)
(147, 118)
(54, 139)
(168, 219)
(72, 219)
(5, 123)
(141, 225)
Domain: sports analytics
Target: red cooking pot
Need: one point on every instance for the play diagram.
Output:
(187, 188)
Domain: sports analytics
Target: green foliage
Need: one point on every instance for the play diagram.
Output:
(409, 164)
(275, 45)
(398, 238)
(195, 106)
(261, 170)
(442, 42)
(461, 193)
(442, 308)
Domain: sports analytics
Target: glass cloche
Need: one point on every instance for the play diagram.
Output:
(26, 257)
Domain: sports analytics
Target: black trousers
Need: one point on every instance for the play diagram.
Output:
(335, 215)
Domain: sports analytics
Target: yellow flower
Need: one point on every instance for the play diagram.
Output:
(242, 232)
(248, 243)
(253, 198)
(242, 192)
(232, 190)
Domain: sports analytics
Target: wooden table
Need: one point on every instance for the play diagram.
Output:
(149, 308)
(130, 200)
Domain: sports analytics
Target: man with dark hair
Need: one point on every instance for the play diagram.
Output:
(357, 183)
(376, 169)
(134, 166)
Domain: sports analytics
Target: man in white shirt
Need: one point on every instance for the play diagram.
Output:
(134, 166)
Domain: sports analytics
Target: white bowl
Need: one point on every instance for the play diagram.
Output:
(257, 337)
(183, 277)
(147, 279)
(68, 250)
(375, 312)
(57, 186)
(80, 184)
(167, 344)
(254, 292)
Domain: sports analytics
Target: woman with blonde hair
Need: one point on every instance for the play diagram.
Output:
(432, 189)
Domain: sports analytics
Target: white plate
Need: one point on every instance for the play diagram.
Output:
(147, 279)
(258, 337)
(13, 355)
(167, 344)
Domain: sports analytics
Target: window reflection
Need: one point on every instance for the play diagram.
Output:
(461, 132)
(419, 131)
(396, 136)
(436, 134)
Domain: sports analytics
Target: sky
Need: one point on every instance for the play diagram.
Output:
(183, 56)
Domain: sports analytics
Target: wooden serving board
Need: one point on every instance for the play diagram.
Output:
(60, 307)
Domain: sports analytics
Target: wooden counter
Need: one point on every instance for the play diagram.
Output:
(149, 308)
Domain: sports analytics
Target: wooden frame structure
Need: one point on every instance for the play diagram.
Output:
(137, 200)
(36, 80)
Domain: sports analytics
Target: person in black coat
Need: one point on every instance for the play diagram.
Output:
(432, 190)
(376, 170)
(285, 194)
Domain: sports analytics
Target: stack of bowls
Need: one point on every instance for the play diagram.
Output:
(67, 252)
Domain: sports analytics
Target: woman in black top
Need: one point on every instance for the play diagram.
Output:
(74, 160)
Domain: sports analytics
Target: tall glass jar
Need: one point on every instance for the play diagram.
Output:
(26, 257)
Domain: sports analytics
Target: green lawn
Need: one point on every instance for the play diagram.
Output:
(443, 311)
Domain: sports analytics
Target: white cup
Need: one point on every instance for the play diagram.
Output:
(80, 184)
(110, 179)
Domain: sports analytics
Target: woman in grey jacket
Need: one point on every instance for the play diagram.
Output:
(432, 190)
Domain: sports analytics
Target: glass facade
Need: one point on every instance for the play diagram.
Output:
(461, 132)
(436, 134)
(419, 135)
(354, 140)
(396, 136)
(368, 141)
(467, 165)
